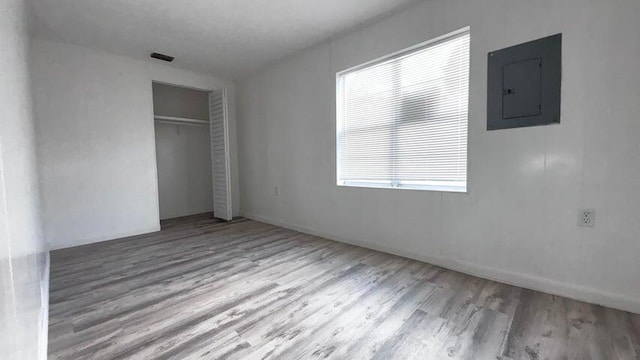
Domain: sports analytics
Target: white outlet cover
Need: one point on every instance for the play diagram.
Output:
(587, 217)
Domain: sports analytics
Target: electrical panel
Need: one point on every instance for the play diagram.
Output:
(524, 84)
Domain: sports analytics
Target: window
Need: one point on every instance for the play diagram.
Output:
(402, 120)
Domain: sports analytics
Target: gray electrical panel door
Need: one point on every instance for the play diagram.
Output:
(521, 89)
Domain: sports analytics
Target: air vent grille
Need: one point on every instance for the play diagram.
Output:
(162, 57)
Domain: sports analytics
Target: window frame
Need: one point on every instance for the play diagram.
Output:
(438, 186)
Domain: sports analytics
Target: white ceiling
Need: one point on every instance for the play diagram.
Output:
(224, 37)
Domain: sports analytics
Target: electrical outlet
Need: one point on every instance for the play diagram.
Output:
(587, 218)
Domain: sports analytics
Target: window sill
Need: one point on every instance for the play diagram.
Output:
(423, 187)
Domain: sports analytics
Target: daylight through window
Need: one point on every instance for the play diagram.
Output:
(402, 120)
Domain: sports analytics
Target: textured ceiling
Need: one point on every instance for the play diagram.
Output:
(229, 38)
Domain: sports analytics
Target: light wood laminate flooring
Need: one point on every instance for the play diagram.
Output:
(203, 289)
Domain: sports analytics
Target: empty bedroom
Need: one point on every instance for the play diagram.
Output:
(296, 179)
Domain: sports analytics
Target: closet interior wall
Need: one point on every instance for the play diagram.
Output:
(183, 151)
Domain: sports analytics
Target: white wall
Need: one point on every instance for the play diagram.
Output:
(96, 141)
(183, 152)
(23, 256)
(518, 222)
(184, 170)
(183, 102)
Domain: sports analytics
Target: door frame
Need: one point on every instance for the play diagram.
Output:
(227, 151)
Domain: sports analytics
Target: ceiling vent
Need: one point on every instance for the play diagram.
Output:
(162, 57)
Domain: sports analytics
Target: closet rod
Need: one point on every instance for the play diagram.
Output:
(179, 120)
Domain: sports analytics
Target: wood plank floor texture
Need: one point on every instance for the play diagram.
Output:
(203, 289)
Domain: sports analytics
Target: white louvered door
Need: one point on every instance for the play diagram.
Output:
(219, 130)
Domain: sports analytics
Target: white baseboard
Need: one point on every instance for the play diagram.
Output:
(532, 282)
(106, 237)
(43, 337)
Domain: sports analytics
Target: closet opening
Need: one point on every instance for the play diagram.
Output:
(191, 135)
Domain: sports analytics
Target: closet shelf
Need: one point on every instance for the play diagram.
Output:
(179, 120)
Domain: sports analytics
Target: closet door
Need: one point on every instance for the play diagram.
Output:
(219, 128)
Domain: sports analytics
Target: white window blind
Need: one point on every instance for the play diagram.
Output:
(402, 120)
